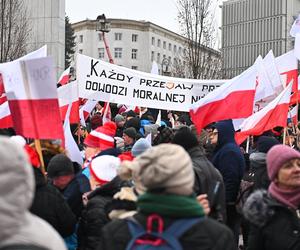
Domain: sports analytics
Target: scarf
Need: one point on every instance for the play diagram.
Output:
(291, 198)
(170, 205)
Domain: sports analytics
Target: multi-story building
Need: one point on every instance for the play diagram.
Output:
(135, 45)
(253, 27)
(47, 24)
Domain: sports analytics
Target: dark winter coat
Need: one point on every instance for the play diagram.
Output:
(258, 167)
(207, 234)
(206, 178)
(94, 216)
(51, 206)
(228, 159)
(273, 225)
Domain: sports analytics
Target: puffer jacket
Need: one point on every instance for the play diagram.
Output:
(206, 234)
(258, 167)
(17, 225)
(274, 226)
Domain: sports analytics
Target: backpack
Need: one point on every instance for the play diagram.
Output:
(162, 239)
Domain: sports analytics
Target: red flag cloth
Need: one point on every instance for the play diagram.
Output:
(5, 116)
(65, 77)
(106, 113)
(234, 99)
(273, 115)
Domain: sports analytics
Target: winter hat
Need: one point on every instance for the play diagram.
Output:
(165, 167)
(119, 118)
(131, 132)
(130, 113)
(60, 165)
(102, 137)
(104, 168)
(165, 135)
(151, 129)
(185, 138)
(96, 121)
(277, 156)
(133, 122)
(140, 146)
(265, 143)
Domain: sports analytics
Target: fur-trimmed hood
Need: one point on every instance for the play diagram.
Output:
(259, 208)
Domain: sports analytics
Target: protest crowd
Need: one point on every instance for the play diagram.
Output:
(92, 174)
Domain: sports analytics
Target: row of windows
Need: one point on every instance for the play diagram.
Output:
(251, 10)
(164, 45)
(117, 53)
(252, 32)
(118, 37)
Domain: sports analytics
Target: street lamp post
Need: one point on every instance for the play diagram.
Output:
(104, 26)
(165, 66)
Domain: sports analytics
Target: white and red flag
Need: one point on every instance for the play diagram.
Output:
(85, 111)
(30, 87)
(273, 115)
(65, 77)
(293, 114)
(69, 94)
(5, 116)
(234, 99)
(106, 113)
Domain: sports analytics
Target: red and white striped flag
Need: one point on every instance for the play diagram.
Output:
(85, 111)
(234, 99)
(293, 114)
(65, 77)
(106, 113)
(273, 115)
(32, 97)
(5, 116)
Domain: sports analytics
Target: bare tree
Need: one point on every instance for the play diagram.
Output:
(196, 18)
(14, 29)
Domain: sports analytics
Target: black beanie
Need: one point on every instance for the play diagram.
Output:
(60, 165)
(131, 132)
(185, 138)
(265, 143)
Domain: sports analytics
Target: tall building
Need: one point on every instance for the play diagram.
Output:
(135, 45)
(47, 23)
(253, 27)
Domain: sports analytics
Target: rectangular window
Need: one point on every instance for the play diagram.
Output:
(134, 67)
(170, 46)
(118, 52)
(134, 54)
(101, 52)
(153, 41)
(164, 45)
(134, 38)
(175, 49)
(152, 56)
(80, 51)
(158, 57)
(118, 36)
(81, 38)
(100, 37)
(158, 43)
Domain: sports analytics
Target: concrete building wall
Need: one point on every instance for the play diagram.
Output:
(253, 27)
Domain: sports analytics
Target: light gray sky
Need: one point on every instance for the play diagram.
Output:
(160, 12)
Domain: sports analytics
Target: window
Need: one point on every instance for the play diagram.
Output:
(101, 52)
(158, 43)
(152, 56)
(164, 45)
(100, 37)
(118, 52)
(134, 37)
(134, 67)
(80, 51)
(179, 50)
(158, 57)
(170, 46)
(153, 41)
(134, 53)
(175, 49)
(81, 38)
(118, 36)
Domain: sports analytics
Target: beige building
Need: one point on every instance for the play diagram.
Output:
(253, 27)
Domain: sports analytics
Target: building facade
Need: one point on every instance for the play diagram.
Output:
(135, 45)
(47, 23)
(253, 27)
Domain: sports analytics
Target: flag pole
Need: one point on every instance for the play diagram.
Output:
(38, 148)
(248, 144)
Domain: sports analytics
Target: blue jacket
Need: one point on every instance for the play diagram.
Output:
(228, 159)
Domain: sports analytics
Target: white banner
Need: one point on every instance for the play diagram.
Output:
(99, 80)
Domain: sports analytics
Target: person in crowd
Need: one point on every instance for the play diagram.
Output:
(145, 114)
(120, 121)
(19, 227)
(129, 137)
(207, 177)
(166, 171)
(95, 121)
(229, 160)
(105, 184)
(165, 135)
(72, 185)
(274, 214)
(98, 108)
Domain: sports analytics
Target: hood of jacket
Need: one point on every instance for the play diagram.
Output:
(258, 160)
(225, 133)
(16, 187)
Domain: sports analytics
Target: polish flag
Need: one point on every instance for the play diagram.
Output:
(234, 99)
(106, 113)
(287, 66)
(65, 77)
(69, 94)
(85, 111)
(5, 116)
(293, 114)
(273, 115)
(32, 97)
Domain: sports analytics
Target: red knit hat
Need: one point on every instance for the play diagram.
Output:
(102, 137)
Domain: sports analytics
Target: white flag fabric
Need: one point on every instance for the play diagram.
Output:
(297, 46)
(295, 29)
(85, 110)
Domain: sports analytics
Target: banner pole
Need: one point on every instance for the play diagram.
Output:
(38, 148)
(284, 135)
